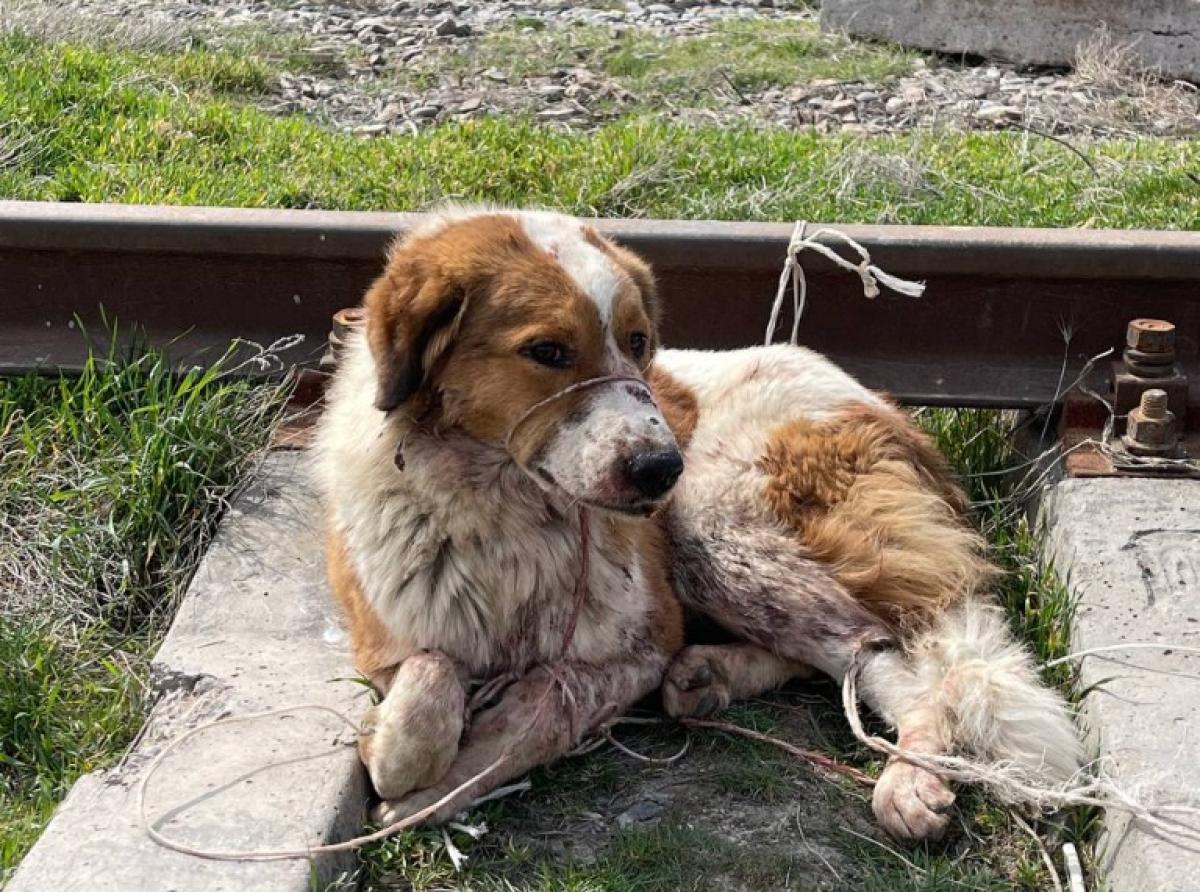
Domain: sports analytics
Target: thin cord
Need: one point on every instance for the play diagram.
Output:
(872, 276)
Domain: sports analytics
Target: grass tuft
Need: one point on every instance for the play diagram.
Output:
(111, 484)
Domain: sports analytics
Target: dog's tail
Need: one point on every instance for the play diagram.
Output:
(985, 686)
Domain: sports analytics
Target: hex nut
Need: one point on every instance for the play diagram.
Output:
(1151, 435)
(1150, 336)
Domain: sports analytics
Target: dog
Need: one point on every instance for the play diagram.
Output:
(523, 487)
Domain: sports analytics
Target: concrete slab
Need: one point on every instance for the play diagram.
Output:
(256, 631)
(1164, 34)
(1131, 549)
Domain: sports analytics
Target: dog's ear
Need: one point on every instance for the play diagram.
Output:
(413, 315)
(643, 278)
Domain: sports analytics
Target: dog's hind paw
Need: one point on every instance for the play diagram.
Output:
(912, 804)
(695, 685)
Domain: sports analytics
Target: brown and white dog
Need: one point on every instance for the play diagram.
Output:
(490, 443)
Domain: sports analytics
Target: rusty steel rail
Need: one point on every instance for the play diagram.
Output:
(988, 332)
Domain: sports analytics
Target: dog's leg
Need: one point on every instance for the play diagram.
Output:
(757, 583)
(409, 740)
(541, 716)
(704, 678)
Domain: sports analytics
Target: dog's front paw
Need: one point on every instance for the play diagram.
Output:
(410, 739)
(911, 803)
(695, 685)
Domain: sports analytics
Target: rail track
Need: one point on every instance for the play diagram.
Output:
(1008, 314)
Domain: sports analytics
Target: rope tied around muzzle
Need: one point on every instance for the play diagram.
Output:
(586, 384)
(872, 276)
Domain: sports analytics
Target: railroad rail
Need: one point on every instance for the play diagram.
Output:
(1008, 314)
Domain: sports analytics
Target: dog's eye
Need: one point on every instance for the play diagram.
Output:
(637, 344)
(548, 353)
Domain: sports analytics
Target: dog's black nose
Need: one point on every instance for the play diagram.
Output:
(654, 473)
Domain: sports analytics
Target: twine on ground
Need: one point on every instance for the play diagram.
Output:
(793, 272)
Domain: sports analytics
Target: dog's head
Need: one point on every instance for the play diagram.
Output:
(485, 323)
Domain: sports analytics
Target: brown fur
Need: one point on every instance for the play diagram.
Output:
(872, 498)
(376, 651)
(677, 403)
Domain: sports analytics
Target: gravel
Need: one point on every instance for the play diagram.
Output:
(356, 70)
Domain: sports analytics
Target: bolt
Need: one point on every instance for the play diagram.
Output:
(1151, 428)
(1154, 404)
(345, 322)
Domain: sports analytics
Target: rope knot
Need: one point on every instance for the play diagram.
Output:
(793, 273)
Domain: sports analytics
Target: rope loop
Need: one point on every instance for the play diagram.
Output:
(793, 274)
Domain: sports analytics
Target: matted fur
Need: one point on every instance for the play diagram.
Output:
(871, 498)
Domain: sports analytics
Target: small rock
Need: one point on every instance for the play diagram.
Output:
(370, 129)
(451, 27)
(425, 112)
(866, 96)
(557, 114)
(473, 104)
(377, 60)
(372, 26)
(840, 106)
(1046, 81)
(639, 813)
(551, 92)
(913, 93)
(495, 74)
(410, 53)
(390, 113)
(895, 105)
(659, 9)
(997, 113)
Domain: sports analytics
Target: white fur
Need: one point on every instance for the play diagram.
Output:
(451, 549)
(589, 267)
(987, 687)
(744, 395)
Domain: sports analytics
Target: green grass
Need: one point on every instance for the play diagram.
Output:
(111, 483)
(106, 127)
(752, 55)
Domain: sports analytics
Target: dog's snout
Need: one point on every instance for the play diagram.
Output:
(654, 473)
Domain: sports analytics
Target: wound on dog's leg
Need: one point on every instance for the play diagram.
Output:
(410, 739)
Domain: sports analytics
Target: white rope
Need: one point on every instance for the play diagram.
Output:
(793, 272)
